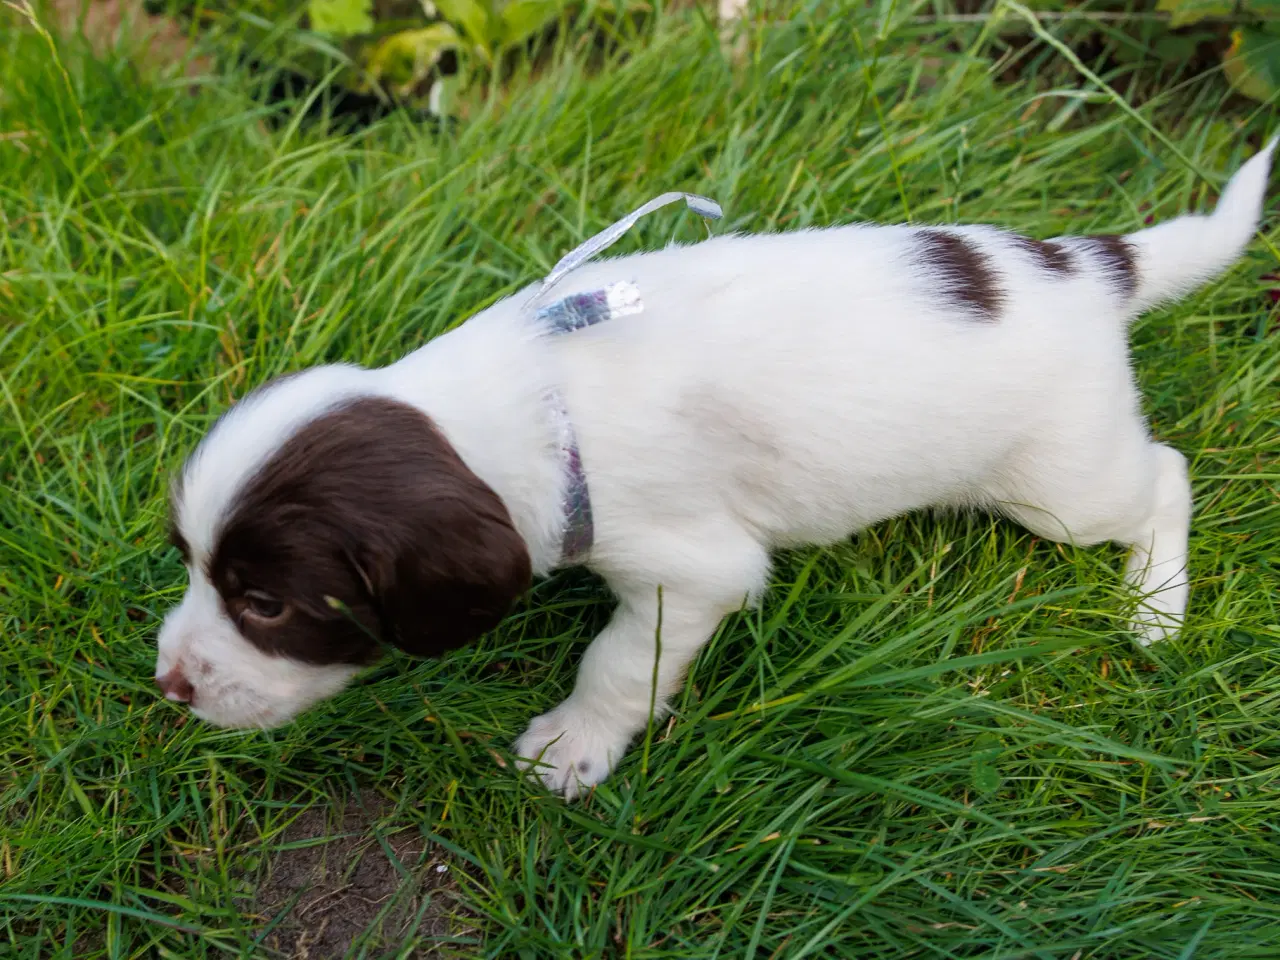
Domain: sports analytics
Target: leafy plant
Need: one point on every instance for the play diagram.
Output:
(391, 47)
(1252, 62)
(341, 17)
(492, 25)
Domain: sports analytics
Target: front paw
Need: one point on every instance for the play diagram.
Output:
(1154, 626)
(570, 749)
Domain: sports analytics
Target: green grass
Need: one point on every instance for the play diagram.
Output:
(937, 740)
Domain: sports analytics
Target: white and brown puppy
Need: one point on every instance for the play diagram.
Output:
(774, 391)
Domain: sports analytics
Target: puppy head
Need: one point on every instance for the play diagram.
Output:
(358, 526)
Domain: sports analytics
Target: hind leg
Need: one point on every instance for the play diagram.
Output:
(1137, 495)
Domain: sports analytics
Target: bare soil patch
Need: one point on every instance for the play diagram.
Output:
(151, 40)
(336, 881)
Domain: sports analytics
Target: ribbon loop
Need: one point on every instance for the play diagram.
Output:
(702, 206)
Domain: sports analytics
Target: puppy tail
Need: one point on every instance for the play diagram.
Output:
(1172, 259)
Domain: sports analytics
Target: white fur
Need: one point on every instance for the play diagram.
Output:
(776, 391)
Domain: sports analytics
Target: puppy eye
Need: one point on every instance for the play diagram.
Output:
(263, 605)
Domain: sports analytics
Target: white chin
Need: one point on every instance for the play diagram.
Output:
(264, 720)
(291, 690)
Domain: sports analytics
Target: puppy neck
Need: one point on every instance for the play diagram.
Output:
(487, 386)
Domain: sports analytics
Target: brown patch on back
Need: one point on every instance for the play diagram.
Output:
(964, 270)
(369, 528)
(329, 878)
(1049, 256)
(1117, 260)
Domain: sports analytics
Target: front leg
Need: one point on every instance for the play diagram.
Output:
(577, 744)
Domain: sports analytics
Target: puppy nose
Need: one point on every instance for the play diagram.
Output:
(175, 686)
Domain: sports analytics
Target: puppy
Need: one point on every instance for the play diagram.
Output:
(763, 392)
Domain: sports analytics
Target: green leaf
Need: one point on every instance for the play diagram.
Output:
(987, 750)
(523, 18)
(1252, 65)
(1183, 12)
(475, 20)
(402, 60)
(340, 18)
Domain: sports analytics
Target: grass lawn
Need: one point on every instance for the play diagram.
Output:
(934, 740)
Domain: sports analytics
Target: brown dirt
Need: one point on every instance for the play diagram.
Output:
(329, 881)
(153, 41)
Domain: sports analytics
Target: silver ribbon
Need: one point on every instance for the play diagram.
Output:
(619, 299)
(586, 309)
(702, 206)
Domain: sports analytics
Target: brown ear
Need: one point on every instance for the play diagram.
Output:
(452, 569)
(370, 508)
(434, 544)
